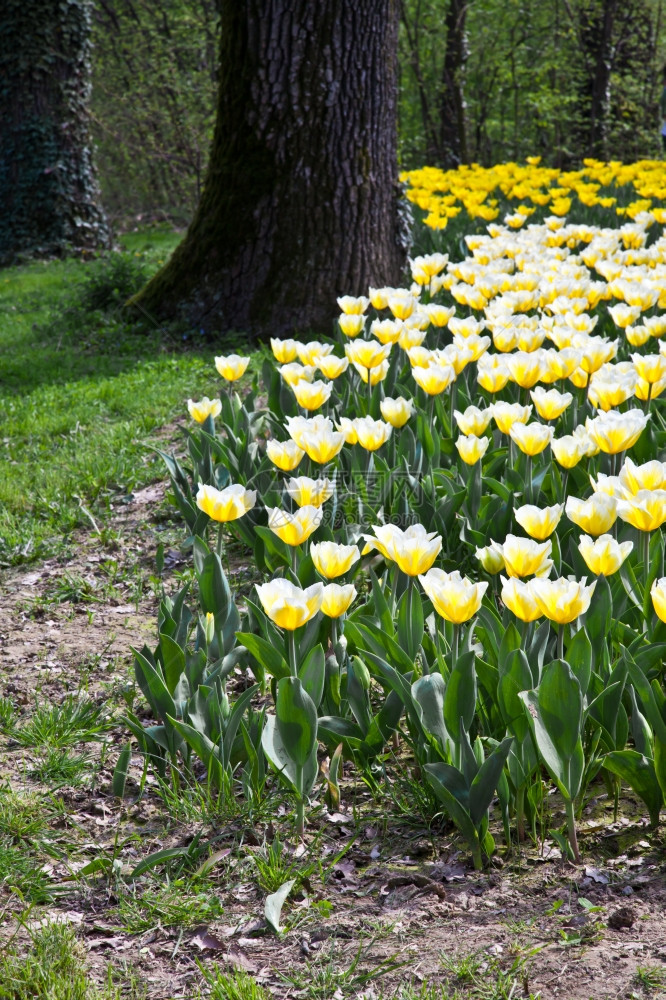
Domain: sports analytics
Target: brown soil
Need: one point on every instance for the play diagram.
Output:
(405, 895)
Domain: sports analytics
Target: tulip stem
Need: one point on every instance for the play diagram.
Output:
(220, 539)
(292, 652)
(394, 589)
(455, 640)
(645, 553)
(565, 482)
(294, 558)
(369, 392)
(560, 642)
(571, 824)
(528, 474)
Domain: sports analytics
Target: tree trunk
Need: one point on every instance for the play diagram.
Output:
(48, 191)
(601, 84)
(299, 204)
(452, 115)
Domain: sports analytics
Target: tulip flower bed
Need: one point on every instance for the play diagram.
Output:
(455, 502)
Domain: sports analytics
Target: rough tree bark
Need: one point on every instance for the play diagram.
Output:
(452, 112)
(300, 201)
(48, 192)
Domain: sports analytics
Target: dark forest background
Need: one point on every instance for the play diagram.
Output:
(480, 81)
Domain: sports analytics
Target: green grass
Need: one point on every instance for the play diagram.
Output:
(173, 905)
(83, 391)
(73, 722)
(54, 969)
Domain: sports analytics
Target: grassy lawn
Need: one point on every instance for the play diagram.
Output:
(82, 393)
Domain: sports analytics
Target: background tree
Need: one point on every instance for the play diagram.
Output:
(300, 200)
(564, 79)
(48, 192)
(153, 104)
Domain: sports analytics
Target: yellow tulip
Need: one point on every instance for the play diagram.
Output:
(440, 316)
(312, 395)
(645, 510)
(457, 357)
(649, 390)
(293, 373)
(290, 606)
(420, 357)
(371, 434)
(298, 426)
(580, 378)
(538, 522)
(658, 595)
(567, 450)
(595, 515)
(346, 426)
(529, 340)
(650, 367)
(615, 432)
(415, 553)
(506, 415)
(434, 379)
(367, 353)
(309, 492)
(379, 297)
(231, 367)
(396, 411)
(473, 420)
(595, 352)
(637, 335)
(524, 369)
(492, 377)
(351, 324)
(285, 454)
(649, 476)
(607, 391)
(353, 305)
(321, 445)
(337, 599)
(296, 528)
(624, 315)
(227, 504)
(562, 600)
(414, 549)
(332, 560)
(284, 351)
(410, 337)
(386, 331)
(533, 438)
(604, 555)
(377, 374)
(491, 558)
(310, 353)
(332, 367)
(563, 363)
(203, 409)
(550, 404)
(473, 344)
(454, 597)
(472, 448)
(517, 597)
(505, 339)
(525, 557)
(401, 304)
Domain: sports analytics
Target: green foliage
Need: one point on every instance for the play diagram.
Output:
(528, 81)
(153, 103)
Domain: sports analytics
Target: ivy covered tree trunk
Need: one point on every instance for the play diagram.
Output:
(300, 203)
(48, 193)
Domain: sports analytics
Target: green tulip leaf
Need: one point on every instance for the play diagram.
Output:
(296, 719)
